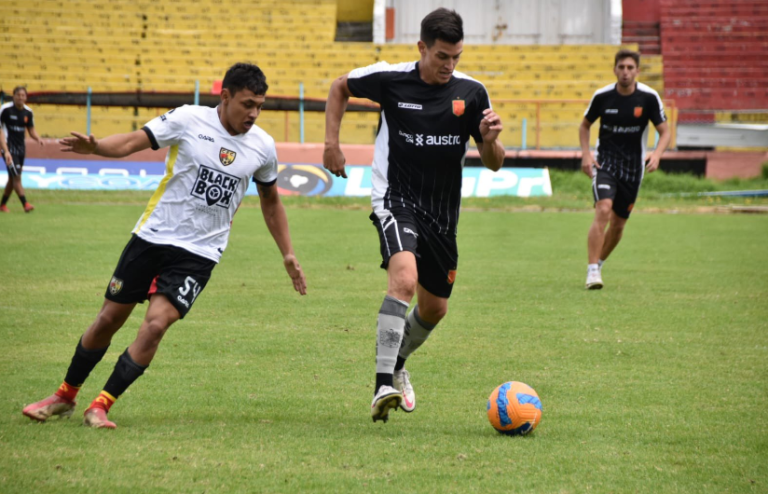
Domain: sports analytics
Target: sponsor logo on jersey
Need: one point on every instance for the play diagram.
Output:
(214, 187)
(611, 110)
(638, 111)
(408, 230)
(115, 285)
(205, 138)
(616, 129)
(13, 117)
(603, 186)
(165, 116)
(409, 106)
(408, 137)
(26, 118)
(458, 107)
(449, 140)
(227, 157)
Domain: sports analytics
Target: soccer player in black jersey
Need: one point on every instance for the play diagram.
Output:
(624, 110)
(16, 118)
(428, 112)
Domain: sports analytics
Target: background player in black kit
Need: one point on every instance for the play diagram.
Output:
(624, 110)
(428, 112)
(16, 118)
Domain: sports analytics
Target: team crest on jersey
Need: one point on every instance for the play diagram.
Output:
(115, 285)
(458, 107)
(227, 157)
(214, 187)
(26, 119)
(638, 111)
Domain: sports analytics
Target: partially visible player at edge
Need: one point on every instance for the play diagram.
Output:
(624, 109)
(428, 112)
(214, 153)
(16, 118)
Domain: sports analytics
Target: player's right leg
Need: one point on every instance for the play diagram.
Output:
(604, 191)
(89, 352)
(398, 238)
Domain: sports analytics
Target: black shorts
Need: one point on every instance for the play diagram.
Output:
(437, 255)
(623, 193)
(18, 162)
(145, 268)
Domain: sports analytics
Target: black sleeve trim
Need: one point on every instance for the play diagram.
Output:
(264, 184)
(152, 139)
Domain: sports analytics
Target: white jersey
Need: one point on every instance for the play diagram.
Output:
(207, 172)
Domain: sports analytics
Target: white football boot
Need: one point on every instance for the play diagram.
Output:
(594, 280)
(386, 399)
(402, 382)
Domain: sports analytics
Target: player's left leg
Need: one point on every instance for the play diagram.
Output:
(437, 267)
(134, 360)
(419, 324)
(613, 234)
(624, 202)
(18, 187)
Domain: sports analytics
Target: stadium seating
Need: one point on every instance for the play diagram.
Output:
(141, 46)
(714, 56)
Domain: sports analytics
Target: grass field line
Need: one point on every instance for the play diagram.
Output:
(533, 208)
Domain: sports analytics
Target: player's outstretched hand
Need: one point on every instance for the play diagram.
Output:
(79, 144)
(490, 125)
(295, 272)
(652, 163)
(334, 160)
(588, 165)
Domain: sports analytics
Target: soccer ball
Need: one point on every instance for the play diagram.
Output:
(514, 409)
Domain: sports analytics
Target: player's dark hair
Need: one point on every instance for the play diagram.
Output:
(624, 53)
(245, 76)
(20, 88)
(442, 24)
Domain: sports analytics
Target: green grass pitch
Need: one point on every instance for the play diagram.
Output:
(657, 383)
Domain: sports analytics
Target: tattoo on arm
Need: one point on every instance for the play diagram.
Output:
(265, 192)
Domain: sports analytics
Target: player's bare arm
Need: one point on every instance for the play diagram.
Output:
(277, 224)
(114, 146)
(587, 160)
(665, 136)
(4, 147)
(338, 96)
(33, 134)
(491, 149)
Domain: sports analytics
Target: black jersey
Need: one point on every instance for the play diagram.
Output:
(422, 139)
(14, 123)
(624, 128)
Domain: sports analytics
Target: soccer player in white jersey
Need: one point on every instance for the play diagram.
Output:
(428, 113)
(214, 153)
(624, 110)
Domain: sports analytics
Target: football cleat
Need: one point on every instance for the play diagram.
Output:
(97, 418)
(4, 209)
(402, 382)
(386, 399)
(47, 408)
(594, 280)
(28, 208)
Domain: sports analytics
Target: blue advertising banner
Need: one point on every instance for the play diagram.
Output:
(293, 179)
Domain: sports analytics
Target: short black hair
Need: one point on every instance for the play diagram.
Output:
(624, 53)
(442, 24)
(245, 76)
(20, 88)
